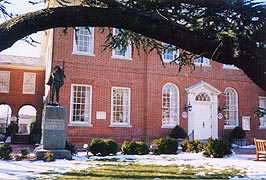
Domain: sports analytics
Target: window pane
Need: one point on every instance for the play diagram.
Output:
(231, 112)
(201, 61)
(169, 54)
(120, 105)
(4, 81)
(119, 51)
(81, 103)
(170, 105)
(29, 83)
(84, 39)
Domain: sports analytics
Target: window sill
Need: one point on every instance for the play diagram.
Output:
(202, 65)
(120, 125)
(79, 125)
(82, 53)
(230, 67)
(170, 61)
(122, 58)
(229, 126)
(168, 126)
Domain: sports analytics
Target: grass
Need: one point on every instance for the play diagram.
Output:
(132, 170)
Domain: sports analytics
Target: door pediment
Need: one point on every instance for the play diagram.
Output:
(203, 86)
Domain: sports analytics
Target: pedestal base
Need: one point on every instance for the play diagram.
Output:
(59, 154)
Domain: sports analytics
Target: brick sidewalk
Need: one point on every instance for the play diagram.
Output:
(238, 150)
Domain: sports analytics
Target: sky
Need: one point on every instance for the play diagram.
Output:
(28, 169)
(22, 48)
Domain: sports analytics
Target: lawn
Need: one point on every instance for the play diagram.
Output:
(110, 169)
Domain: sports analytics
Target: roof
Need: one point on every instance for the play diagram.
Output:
(21, 61)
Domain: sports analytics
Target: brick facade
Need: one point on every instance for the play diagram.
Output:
(145, 76)
(15, 98)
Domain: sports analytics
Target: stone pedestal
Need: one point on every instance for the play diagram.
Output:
(54, 133)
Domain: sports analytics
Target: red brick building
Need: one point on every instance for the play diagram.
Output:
(21, 85)
(124, 95)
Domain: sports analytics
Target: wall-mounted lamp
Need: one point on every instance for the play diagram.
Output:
(188, 107)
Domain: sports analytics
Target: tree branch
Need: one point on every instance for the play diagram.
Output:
(149, 26)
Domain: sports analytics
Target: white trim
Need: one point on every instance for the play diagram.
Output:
(177, 122)
(89, 53)
(120, 57)
(122, 124)
(24, 89)
(175, 54)
(230, 66)
(80, 123)
(8, 74)
(168, 126)
(128, 51)
(208, 64)
(192, 92)
(237, 111)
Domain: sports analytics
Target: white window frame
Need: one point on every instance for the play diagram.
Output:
(125, 116)
(230, 109)
(90, 41)
(87, 109)
(29, 83)
(166, 53)
(203, 61)
(230, 66)
(4, 81)
(262, 104)
(174, 108)
(128, 51)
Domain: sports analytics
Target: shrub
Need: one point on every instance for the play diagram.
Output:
(238, 133)
(72, 148)
(103, 147)
(112, 145)
(98, 146)
(166, 145)
(191, 146)
(178, 133)
(49, 157)
(142, 148)
(24, 153)
(217, 148)
(129, 148)
(5, 151)
(132, 148)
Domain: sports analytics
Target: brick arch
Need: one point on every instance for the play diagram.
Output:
(27, 105)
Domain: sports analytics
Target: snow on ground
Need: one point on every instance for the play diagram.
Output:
(26, 168)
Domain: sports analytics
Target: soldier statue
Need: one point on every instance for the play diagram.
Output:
(55, 82)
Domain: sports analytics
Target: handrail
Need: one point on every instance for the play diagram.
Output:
(191, 135)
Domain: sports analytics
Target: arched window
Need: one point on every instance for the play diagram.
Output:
(170, 105)
(231, 107)
(202, 97)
